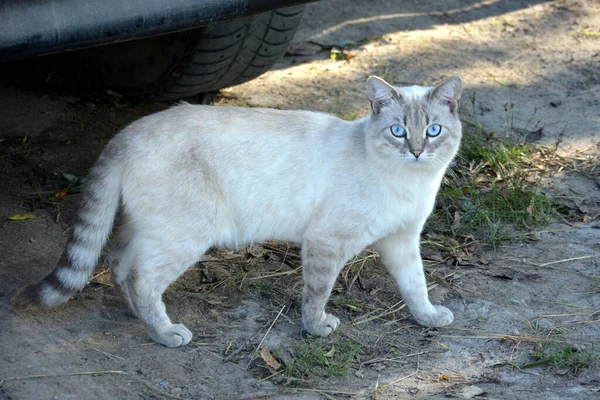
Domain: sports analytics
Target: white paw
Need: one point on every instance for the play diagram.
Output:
(441, 316)
(174, 336)
(327, 324)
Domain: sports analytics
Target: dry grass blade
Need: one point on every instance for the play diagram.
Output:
(387, 385)
(264, 337)
(286, 252)
(551, 266)
(109, 355)
(270, 376)
(328, 391)
(487, 335)
(294, 271)
(567, 260)
(40, 376)
(389, 311)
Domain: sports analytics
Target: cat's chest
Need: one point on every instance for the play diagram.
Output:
(397, 210)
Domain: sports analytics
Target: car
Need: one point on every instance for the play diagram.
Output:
(155, 49)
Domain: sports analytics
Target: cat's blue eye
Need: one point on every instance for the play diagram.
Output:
(434, 130)
(398, 131)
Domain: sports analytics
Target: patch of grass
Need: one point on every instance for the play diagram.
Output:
(587, 33)
(565, 359)
(323, 357)
(491, 192)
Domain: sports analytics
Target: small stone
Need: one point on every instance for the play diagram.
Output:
(177, 391)
(163, 384)
(12, 360)
(468, 392)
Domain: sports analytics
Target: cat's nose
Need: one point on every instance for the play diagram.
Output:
(416, 153)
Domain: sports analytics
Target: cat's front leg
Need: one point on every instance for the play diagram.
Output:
(402, 258)
(321, 264)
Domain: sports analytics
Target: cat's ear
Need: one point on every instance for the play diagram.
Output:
(380, 93)
(449, 92)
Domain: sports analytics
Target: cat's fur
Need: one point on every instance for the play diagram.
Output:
(193, 177)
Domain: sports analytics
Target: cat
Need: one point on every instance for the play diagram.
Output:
(194, 177)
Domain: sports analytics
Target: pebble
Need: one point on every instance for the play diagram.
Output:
(163, 384)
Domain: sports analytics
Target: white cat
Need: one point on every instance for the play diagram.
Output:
(193, 177)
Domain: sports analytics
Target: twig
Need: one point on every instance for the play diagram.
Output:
(264, 337)
(107, 354)
(395, 359)
(393, 311)
(19, 378)
(399, 379)
(551, 266)
(275, 274)
(390, 311)
(270, 376)
(99, 274)
(567, 260)
(321, 391)
(357, 275)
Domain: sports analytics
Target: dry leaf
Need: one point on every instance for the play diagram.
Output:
(62, 193)
(443, 346)
(330, 352)
(22, 217)
(265, 354)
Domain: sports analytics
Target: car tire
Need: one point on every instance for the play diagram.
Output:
(183, 64)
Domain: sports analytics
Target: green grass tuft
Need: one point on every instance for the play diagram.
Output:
(323, 357)
(490, 192)
(566, 359)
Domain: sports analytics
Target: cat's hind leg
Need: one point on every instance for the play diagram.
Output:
(120, 261)
(321, 265)
(146, 284)
(401, 256)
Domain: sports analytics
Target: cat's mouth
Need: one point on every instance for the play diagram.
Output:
(420, 159)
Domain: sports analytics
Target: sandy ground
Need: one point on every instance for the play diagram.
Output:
(526, 65)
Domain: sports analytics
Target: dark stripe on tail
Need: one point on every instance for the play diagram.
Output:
(36, 295)
(93, 224)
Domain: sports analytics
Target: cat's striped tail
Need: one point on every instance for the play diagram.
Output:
(89, 234)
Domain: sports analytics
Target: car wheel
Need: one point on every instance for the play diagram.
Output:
(205, 59)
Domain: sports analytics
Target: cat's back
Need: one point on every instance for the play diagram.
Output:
(236, 136)
(188, 121)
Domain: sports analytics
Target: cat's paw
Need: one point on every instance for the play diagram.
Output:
(440, 316)
(324, 327)
(174, 336)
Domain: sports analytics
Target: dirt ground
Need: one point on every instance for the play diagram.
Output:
(526, 64)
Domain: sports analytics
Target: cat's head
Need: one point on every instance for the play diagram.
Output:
(414, 128)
